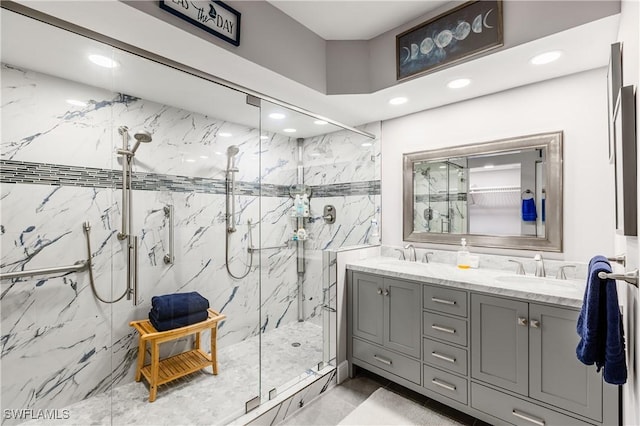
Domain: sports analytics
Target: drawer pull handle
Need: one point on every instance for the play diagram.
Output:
(445, 329)
(443, 357)
(443, 301)
(382, 360)
(528, 418)
(443, 384)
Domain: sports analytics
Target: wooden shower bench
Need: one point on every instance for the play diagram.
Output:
(162, 371)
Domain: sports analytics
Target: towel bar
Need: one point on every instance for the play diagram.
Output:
(621, 259)
(630, 277)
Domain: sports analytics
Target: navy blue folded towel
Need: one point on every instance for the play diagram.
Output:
(177, 322)
(175, 305)
(529, 210)
(600, 325)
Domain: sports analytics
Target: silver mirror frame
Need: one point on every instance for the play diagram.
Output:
(552, 241)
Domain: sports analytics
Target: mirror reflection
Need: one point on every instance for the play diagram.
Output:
(495, 192)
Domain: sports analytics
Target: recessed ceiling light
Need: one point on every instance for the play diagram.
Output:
(76, 103)
(190, 160)
(263, 137)
(289, 130)
(103, 61)
(366, 144)
(545, 58)
(225, 134)
(204, 157)
(217, 153)
(277, 115)
(458, 83)
(320, 122)
(398, 101)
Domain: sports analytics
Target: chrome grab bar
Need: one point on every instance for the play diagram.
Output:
(630, 277)
(168, 213)
(76, 267)
(254, 249)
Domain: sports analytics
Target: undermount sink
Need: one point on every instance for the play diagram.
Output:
(536, 282)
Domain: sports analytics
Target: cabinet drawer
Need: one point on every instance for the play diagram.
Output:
(445, 300)
(441, 327)
(445, 384)
(392, 362)
(445, 356)
(515, 410)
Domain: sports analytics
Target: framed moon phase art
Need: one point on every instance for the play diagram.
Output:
(625, 164)
(469, 29)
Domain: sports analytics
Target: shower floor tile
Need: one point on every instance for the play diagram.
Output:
(202, 398)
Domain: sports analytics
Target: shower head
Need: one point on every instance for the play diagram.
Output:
(232, 151)
(141, 136)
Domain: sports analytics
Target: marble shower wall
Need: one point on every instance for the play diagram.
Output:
(59, 169)
(343, 170)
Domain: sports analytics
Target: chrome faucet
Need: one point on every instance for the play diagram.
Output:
(519, 268)
(540, 272)
(402, 257)
(425, 258)
(412, 254)
(561, 274)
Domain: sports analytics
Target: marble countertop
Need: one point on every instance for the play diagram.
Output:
(501, 283)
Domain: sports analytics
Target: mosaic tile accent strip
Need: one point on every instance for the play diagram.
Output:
(62, 175)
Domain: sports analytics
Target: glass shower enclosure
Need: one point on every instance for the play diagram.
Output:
(209, 204)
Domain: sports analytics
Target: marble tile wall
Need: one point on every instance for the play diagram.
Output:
(59, 169)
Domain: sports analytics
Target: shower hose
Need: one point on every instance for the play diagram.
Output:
(87, 229)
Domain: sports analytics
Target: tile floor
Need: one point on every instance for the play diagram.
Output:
(288, 354)
(335, 404)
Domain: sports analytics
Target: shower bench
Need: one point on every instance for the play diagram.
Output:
(163, 371)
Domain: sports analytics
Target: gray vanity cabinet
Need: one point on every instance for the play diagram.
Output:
(529, 349)
(499, 342)
(385, 323)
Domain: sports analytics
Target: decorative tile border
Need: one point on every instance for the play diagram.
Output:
(62, 175)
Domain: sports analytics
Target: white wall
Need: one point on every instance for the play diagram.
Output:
(575, 104)
(629, 35)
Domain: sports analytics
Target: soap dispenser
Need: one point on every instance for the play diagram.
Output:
(464, 257)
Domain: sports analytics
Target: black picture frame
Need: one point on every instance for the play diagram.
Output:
(201, 12)
(614, 83)
(625, 164)
(467, 30)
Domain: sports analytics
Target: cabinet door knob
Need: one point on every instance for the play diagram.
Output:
(379, 291)
(535, 324)
(522, 321)
(385, 292)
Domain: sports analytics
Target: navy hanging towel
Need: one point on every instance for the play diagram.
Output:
(529, 210)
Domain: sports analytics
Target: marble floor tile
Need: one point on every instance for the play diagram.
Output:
(202, 398)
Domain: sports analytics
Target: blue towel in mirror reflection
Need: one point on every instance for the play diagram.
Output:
(529, 210)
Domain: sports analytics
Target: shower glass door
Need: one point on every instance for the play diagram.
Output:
(65, 353)
(316, 180)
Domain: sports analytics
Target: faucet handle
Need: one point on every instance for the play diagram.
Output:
(425, 257)
(561, 275)
(402, 257)
(520, 268)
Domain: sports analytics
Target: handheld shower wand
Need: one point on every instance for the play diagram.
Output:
(232, 169)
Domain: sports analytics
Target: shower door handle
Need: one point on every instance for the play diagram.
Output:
(168, 213)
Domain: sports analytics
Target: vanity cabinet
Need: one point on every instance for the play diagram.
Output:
(503, 360)
(385, 318)
(529, 349)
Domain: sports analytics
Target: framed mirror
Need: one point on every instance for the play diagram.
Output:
(505, 193)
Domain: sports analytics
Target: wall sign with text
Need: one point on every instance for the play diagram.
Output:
(213, 16)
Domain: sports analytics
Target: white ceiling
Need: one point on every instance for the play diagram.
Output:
(354, 19)
(585, 47)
